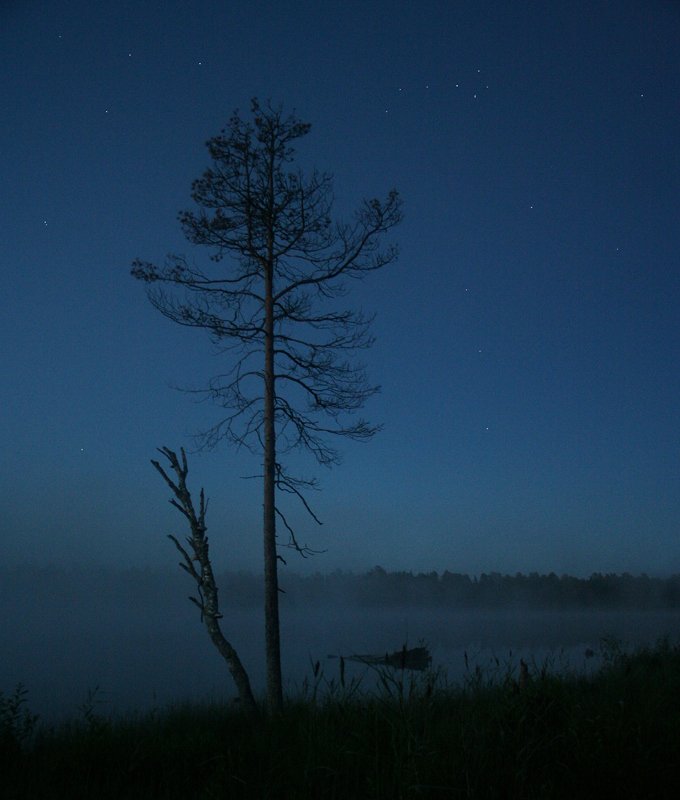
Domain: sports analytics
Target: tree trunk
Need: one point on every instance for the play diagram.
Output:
(271, 581)
(236, 668)
(205, 579)
(211, 616)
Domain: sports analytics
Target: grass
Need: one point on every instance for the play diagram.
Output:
(613, 734)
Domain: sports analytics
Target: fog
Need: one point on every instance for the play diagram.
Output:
(136, 642)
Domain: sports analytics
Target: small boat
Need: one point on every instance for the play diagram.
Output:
(416, 658)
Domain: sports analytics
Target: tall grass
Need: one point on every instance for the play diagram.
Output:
(546, 735)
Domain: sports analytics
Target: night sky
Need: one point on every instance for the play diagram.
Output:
(527, 338)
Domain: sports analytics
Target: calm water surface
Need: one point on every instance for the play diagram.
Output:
(150, 654)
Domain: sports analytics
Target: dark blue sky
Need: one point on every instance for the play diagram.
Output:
(527, 339)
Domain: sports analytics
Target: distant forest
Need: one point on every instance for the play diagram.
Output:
(375, 588)
(489, 590)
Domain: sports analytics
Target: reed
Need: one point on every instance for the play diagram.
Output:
(519, 733)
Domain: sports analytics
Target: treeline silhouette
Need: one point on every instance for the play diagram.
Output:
(489, 590)
(375, 588)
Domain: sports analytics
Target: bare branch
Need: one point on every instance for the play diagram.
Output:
(274, 220)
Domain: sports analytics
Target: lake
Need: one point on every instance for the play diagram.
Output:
(143, 654)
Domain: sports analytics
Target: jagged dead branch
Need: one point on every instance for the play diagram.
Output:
(290, 485)
(197, 564)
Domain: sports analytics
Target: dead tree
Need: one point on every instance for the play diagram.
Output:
(207, 600)
(291, 384)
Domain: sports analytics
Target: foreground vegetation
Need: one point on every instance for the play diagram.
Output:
(519, 733)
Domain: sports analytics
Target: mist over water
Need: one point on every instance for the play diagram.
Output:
(147, 648)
